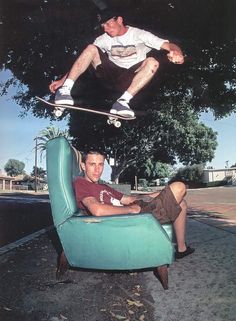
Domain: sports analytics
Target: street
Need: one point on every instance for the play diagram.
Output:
(22, 214)
(218, 201)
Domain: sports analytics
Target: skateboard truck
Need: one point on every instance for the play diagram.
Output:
(113, 121)
(58, 111)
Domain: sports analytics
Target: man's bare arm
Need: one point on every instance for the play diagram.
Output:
(129, 199)
(98, 209)
(175, 54)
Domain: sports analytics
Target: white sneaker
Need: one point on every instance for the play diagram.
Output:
(122, 109)
(63, 96)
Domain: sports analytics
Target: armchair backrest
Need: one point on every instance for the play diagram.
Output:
(62, 168)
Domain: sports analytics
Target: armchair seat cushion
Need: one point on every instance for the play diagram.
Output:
(121, 242)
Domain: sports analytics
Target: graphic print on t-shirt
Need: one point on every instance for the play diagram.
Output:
(123, 51)
(106, 198)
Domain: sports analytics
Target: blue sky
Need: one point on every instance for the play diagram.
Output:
(226, 152)
(17, 135)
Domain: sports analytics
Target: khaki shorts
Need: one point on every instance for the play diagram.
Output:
(164, 207)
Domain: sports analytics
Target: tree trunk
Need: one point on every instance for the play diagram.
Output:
(116, 171)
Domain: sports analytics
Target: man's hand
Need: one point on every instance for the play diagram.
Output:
(175, 54)
(176, 57)
(134, 208)
(130, 199)
(55, 85)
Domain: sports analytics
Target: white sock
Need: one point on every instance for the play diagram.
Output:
(126, 96)
(69, 83)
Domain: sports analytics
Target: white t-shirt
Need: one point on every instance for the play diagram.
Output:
(130, 48)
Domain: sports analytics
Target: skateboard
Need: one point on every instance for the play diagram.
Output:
(112, 119)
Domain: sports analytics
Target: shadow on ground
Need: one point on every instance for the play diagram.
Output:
(215, 219)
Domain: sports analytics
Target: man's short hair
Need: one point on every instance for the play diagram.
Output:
(92, 152)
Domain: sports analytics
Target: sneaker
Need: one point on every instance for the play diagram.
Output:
(63, 96)
(180, 255)
(122, 110)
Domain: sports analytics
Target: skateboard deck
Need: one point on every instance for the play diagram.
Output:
(112, 119)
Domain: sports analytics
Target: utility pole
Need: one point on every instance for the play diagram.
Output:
(136, 182)
(35, 165)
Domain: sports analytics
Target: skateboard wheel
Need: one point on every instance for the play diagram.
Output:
(109, 122)
(57, 112)
(117, 124)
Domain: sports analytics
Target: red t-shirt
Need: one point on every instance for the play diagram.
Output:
(102, 192)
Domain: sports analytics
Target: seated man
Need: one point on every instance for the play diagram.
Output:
(101, 200)
(119, 57)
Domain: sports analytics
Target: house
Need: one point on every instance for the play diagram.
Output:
(19, 183)
(227, 175)
(28, 183)
(6, 182)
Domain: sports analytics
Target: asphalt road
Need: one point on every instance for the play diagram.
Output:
(22, 214)
(218, 201)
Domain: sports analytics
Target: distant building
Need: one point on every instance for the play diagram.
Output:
(28, 183)
(6, 182)
(227, 175)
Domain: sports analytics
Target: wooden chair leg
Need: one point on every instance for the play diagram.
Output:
(161, 273)
(62, 266)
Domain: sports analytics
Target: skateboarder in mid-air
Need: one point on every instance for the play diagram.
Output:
(119, 57)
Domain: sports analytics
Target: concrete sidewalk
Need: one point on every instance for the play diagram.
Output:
(202, 287)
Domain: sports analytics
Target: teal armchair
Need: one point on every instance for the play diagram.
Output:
(116, 242)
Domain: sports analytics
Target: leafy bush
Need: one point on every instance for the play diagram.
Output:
(189, 174)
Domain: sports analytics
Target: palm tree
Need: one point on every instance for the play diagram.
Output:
(49, 133)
